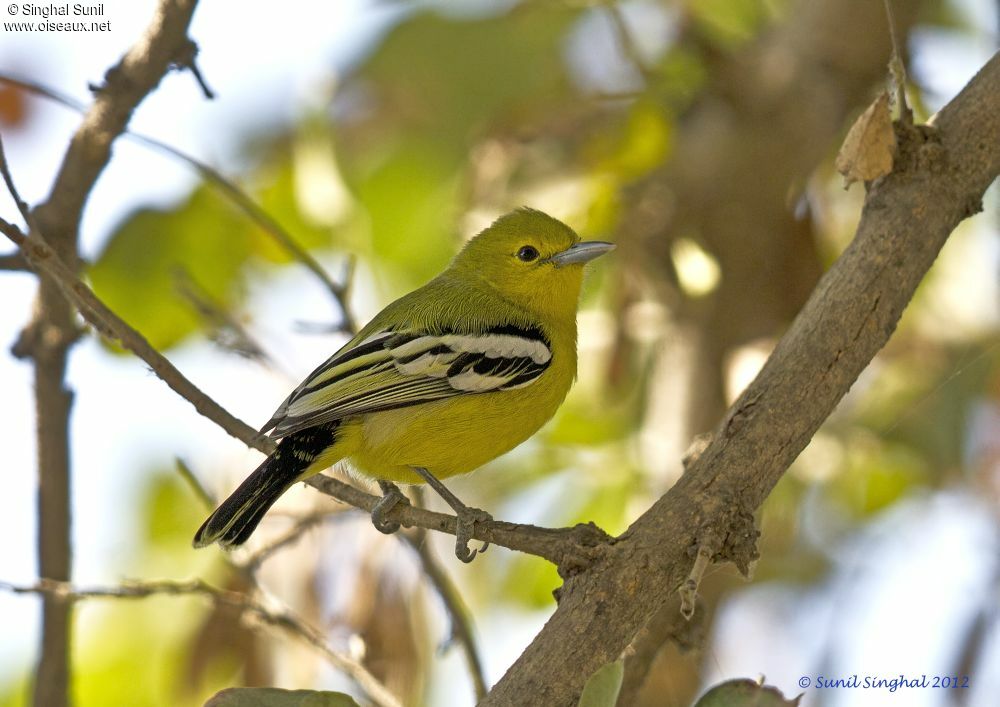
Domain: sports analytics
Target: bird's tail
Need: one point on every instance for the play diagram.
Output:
(234, 521)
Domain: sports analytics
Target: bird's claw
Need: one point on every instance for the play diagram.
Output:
(391, 497)
(466, 517)
(465, 528)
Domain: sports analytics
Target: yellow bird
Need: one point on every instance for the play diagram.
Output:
(440, 382)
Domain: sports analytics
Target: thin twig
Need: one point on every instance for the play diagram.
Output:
(897, 68)
(22, 206)
(250, 566)
(14, 262)
(689, 590)
(238, 197)
(292, 535)
(570, 549)
(263, 219)
(458, 613)
(626, 42)
(186, 60)
(194, 483)
(283, 619)
(44, 91)
(222, 327)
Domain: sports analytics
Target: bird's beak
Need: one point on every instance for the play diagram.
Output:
(581, 253)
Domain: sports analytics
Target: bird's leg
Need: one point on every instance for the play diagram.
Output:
(467, 516)
(391, 497)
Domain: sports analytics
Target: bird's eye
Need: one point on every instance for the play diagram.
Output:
(527, 253)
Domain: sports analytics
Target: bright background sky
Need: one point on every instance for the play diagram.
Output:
(264, 63)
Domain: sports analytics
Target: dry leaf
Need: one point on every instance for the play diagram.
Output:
(870, 144)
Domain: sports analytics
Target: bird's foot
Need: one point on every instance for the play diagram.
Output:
(391, 497)
(466, 528)
(466, 517)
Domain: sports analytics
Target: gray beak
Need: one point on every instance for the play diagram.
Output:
(581, 253)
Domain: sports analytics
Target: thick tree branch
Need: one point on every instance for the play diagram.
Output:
(280, 618)
(939, 180)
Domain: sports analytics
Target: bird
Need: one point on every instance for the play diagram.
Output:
(441, 381)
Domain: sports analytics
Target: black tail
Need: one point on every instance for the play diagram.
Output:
(234, 521)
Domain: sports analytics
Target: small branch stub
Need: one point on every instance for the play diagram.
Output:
(689, 590)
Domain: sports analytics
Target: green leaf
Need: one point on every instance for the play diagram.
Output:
(602, 687)
(274, 697)
(745, 693)
(137, 272)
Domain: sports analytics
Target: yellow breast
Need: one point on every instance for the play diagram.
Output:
(456, 435)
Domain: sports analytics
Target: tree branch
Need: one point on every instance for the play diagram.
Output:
(940, 176)
(13, 262)
(284, 619)
(53, 330)
(570, 549)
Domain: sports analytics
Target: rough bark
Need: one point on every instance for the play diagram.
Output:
(938, 181)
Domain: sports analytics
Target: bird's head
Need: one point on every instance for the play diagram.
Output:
(531, 259)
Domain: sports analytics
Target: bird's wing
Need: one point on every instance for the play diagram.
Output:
(397, 368)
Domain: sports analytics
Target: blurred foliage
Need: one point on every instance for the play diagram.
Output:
(448, 121)
(732, 22)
